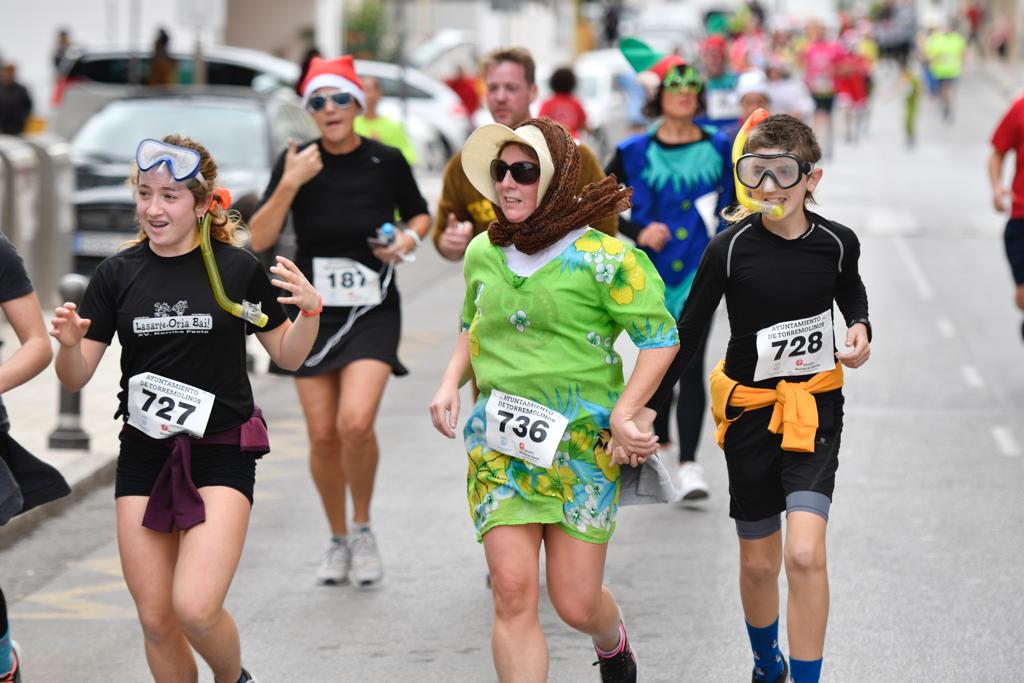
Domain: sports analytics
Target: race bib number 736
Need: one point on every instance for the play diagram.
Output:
(524, 429)
(160, 407)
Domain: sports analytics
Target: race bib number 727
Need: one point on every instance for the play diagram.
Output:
(161, 407)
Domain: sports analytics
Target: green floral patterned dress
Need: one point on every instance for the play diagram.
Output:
(548, 338)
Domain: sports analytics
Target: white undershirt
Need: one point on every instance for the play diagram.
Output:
(525, 265)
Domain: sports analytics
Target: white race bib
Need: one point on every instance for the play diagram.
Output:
(722, 104)
(160, 407)
(344, 282)
(795, 347)
(524, 429)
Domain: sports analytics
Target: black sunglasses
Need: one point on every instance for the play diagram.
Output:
(341, 100)
(523, 172)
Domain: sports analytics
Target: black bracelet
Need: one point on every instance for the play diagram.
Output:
(863, 321)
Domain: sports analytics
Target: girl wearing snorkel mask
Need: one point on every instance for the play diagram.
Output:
(192, 432)
(681, 180)
(777, 396)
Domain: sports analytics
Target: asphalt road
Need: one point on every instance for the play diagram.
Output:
(925, 536)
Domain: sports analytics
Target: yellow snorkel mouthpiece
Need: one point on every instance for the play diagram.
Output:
(742, 193)
(247, 311)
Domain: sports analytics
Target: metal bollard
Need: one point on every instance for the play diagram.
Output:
(69, 433)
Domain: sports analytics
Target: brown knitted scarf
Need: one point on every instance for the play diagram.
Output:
(561, 210)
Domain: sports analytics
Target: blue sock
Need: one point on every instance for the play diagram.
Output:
(803, 671)
(6, 657)
(768, 660)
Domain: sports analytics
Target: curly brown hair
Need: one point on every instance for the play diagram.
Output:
(225, 224)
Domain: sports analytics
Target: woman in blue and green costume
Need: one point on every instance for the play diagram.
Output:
(546, 297)
(681, 175)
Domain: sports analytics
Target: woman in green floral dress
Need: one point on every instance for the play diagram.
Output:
(546, 297)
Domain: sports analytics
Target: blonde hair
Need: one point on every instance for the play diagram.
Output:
(225, 224)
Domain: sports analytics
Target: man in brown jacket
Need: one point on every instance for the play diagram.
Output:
(463, 212)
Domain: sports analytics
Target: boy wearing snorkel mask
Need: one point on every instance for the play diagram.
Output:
(777, 396)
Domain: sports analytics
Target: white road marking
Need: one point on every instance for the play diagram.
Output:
(1005, 441)
(946, 327)
(972, 377)
(924, 288)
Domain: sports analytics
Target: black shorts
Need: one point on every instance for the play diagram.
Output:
(824, 103)
(374, 336)
(761, 474)
(141, 458)
(1013, 237)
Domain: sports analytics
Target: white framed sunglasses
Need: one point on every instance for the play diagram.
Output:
(340, 100)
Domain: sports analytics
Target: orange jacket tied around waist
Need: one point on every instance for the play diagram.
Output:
(795, 414)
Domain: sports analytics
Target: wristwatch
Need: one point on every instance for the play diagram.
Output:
(863, 321)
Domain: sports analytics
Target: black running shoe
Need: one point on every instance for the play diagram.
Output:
(246, 677)
(781, 678)
(618, 669)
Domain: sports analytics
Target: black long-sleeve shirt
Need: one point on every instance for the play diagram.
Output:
(767, 280)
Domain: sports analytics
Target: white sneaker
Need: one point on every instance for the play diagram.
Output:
(690, 482)
(333, 569)
(367, 570)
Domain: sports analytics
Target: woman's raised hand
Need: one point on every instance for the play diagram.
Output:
(67, 327)
(291, 279)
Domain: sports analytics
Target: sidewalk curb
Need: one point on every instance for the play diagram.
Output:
(94, 477)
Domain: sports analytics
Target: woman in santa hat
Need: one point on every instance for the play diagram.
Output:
(342, 191)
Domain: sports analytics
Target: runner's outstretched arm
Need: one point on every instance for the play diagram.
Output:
(34, 354)
(77, 357)
(444, 408)
(651, 365)
(290, 343)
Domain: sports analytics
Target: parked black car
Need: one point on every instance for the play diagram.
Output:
(245, 132)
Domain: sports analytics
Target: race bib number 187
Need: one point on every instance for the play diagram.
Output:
(523, 428)
(160, 407)
(345, 282)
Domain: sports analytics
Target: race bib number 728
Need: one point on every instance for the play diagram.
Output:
(795, 347)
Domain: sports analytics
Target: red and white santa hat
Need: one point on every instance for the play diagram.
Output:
(337, 73)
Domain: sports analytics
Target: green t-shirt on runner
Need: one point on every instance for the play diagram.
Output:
(548, 338)
(945, 52)
(387, 131)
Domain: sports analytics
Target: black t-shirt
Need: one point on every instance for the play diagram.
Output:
(767, 280)
(14, 284)
(353, 195)
(168, 322)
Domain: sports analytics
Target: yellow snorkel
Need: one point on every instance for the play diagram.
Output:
(183, 166)
(247, 311)
(742, 193)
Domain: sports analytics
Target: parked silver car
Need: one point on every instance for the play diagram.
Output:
(435, 118)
